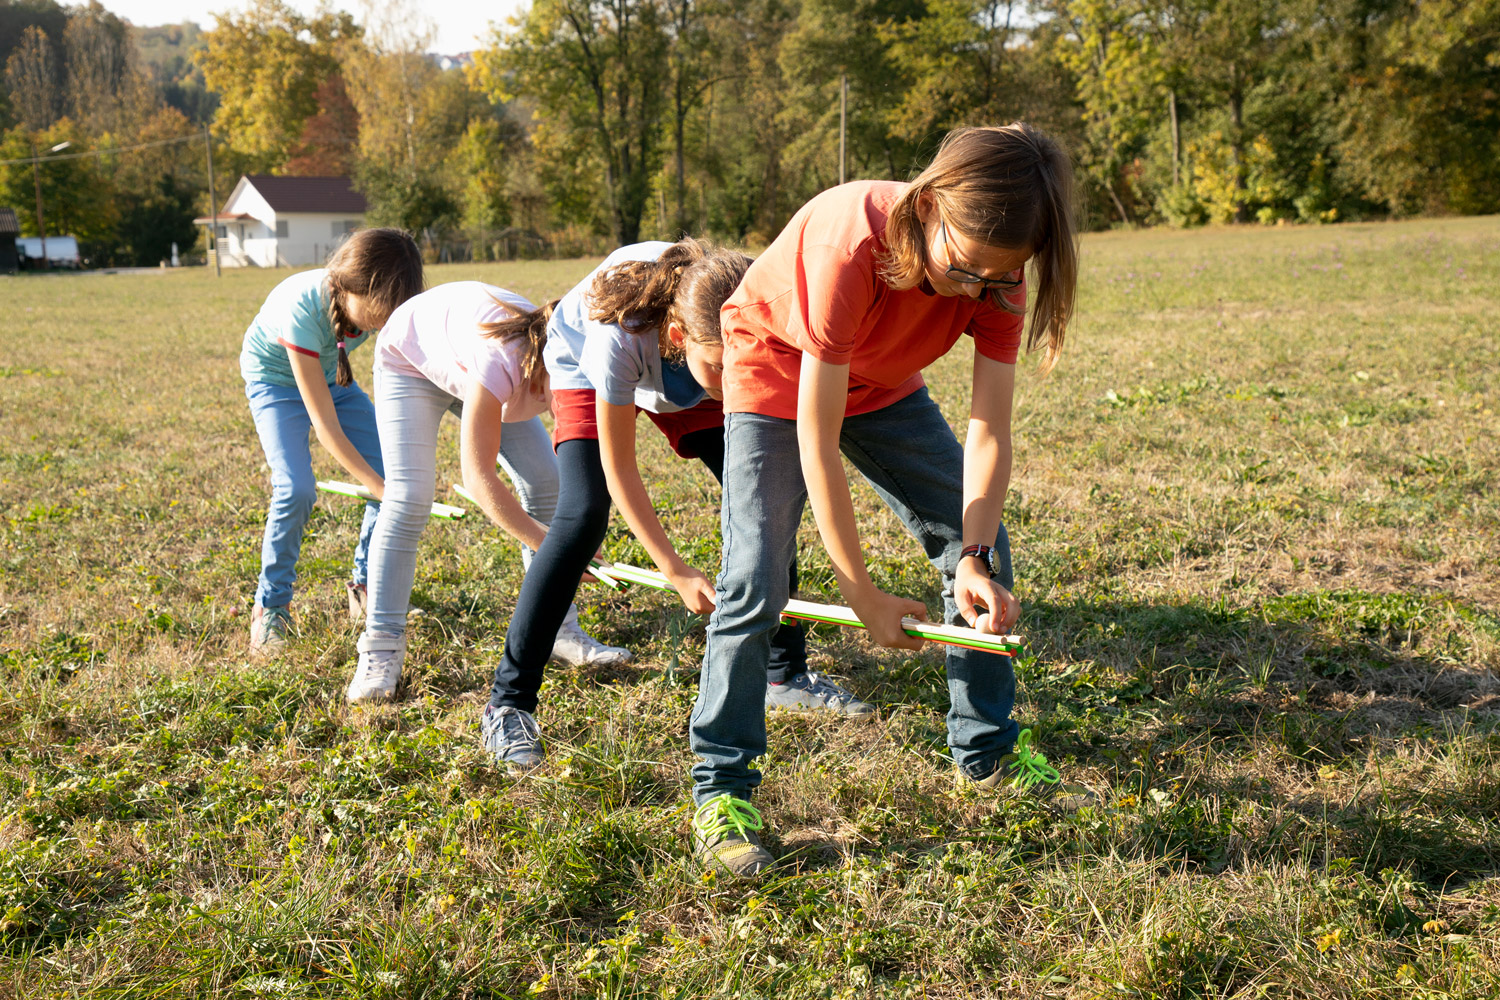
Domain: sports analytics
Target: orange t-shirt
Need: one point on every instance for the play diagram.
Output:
(817, 289)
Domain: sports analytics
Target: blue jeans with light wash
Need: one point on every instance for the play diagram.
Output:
(283, 423)
(410, 410)
(909, 455)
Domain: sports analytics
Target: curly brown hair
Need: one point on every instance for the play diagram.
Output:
(686, 285)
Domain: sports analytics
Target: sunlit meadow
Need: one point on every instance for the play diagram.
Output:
(1255, 516)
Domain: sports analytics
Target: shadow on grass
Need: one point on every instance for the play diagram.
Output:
(1312, 727)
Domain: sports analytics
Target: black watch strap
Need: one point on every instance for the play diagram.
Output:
(984, 553)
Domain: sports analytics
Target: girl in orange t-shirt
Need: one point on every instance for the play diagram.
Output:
(824, 341)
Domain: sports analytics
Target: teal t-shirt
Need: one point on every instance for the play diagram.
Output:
(293, 318)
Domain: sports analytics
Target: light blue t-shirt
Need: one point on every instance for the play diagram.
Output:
(621, 366)
(293, 318)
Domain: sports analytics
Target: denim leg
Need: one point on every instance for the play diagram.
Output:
(908, 453)
(356, 416)
(283, 424)
(762, 507)
(526, 456)
(547, 592)
(789, 644)
(410, 410)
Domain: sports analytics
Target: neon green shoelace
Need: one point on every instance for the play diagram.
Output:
(723, 813)
(1031, 766)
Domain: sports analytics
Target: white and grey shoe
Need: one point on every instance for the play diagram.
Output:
(512, 737)
(574, 647)
(379, 671)
(812, 692)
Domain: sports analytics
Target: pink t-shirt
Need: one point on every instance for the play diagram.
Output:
(436, 336)
(817, 290)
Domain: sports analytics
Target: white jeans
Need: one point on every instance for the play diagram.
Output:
(408, 410)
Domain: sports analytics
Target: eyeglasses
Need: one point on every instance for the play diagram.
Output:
(958, 274)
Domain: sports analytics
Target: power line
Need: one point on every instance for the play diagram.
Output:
(102, 152)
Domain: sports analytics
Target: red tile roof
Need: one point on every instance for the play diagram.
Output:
(309, 194)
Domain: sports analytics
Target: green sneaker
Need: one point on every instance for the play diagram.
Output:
(1027, 772)
(724, 830)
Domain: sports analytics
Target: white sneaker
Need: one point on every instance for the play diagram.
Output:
(379, 671)
(576, 648)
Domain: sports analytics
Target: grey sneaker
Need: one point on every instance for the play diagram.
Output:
(724, 830)
(1025, 771)
(512, 738)
(268, 630)
(359, 600)
(574, 647)
(812, 692)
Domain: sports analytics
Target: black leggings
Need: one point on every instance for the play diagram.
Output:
(574, 536)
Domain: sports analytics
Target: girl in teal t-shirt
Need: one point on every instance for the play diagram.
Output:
(297, 378)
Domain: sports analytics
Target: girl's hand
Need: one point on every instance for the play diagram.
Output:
(697, 590)
(599, 558)
(984, 604)
(882, 614)
(377, 487)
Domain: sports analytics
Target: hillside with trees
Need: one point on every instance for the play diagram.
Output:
(584, 123)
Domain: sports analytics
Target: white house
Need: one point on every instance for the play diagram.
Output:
(271, 221)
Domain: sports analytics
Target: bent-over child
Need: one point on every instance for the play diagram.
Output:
(824, 345)
(639, 334)
(295, 363)
(457, 348)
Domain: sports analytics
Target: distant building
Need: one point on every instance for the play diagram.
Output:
(62, 251)
(271, 221)
(9, 230)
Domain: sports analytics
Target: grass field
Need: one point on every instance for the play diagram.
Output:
(1256, 518)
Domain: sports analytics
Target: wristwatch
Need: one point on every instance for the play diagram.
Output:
(984, 553)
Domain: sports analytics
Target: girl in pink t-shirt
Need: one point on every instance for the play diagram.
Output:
(824, 343)
(461, 347)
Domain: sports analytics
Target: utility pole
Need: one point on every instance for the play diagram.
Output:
(843, 123)
(213, 204)
(36, 179)
(41, 220)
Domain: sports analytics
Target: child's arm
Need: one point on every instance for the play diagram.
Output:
(479, 445)
(986, 479)
(319, 402)
(617, 453)
(822, 394)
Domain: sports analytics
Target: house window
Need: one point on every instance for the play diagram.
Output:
(281, 229)
(221, 232)
(342, 227)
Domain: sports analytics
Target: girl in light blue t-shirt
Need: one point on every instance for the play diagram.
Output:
(297, 378)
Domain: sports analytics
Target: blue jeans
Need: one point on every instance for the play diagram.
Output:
(909, 455)
(411, 408)
(283, 423)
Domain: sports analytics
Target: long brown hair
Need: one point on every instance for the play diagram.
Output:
(1007, 186)
(532, 326)
(382, 266)
(686, 285)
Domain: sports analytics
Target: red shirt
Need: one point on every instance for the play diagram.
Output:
(817, 290)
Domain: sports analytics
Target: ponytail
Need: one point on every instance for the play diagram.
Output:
(687, 285)
(529, 325)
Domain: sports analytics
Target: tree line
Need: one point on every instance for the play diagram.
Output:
(584, 123)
